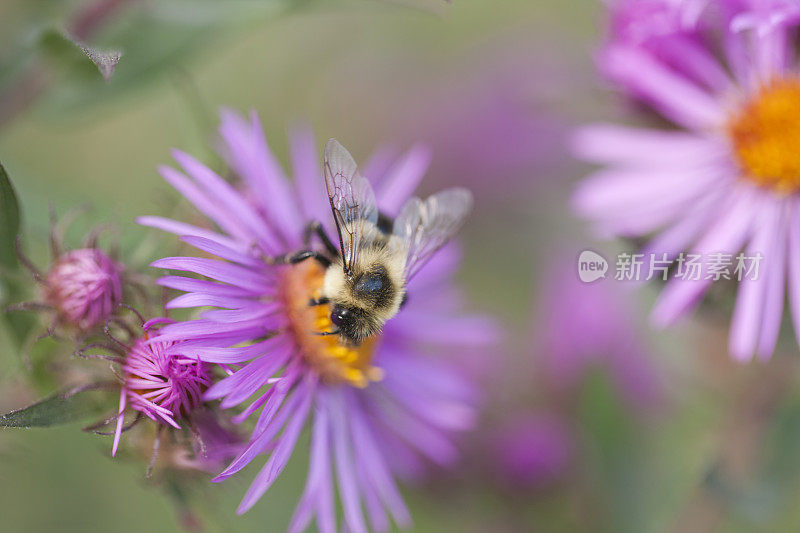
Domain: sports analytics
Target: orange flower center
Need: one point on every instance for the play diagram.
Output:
(766, 136)
(334, 360)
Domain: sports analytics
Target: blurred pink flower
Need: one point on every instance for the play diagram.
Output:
(487, 134)
(488, 117)
(586, 325)
(531, 451)
(643, 22)
(729, 179)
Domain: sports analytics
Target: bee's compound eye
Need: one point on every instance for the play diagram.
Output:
(340, 315)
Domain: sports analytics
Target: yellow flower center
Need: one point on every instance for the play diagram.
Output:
(334, 360)
(766, 136)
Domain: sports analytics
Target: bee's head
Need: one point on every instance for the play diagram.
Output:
(353, 323)
(341, 315)
(360, 304)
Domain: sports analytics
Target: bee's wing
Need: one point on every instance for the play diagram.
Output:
(352, 201)
(425, 226)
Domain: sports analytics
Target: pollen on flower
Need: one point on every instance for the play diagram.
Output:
(766, 136)
(335, 361)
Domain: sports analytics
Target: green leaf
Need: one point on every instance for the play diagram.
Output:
(10, 289)
(61, 408)
(9, 220)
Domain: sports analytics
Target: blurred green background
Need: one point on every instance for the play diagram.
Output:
(719, 452)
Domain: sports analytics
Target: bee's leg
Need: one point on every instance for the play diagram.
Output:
(314, 227)
(301, 256)
(298, 257)
(313, 302)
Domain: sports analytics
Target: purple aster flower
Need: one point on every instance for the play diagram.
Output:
(160, 381)
(531, 451)
(727, 179)
(157, 380)
(376, 408)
